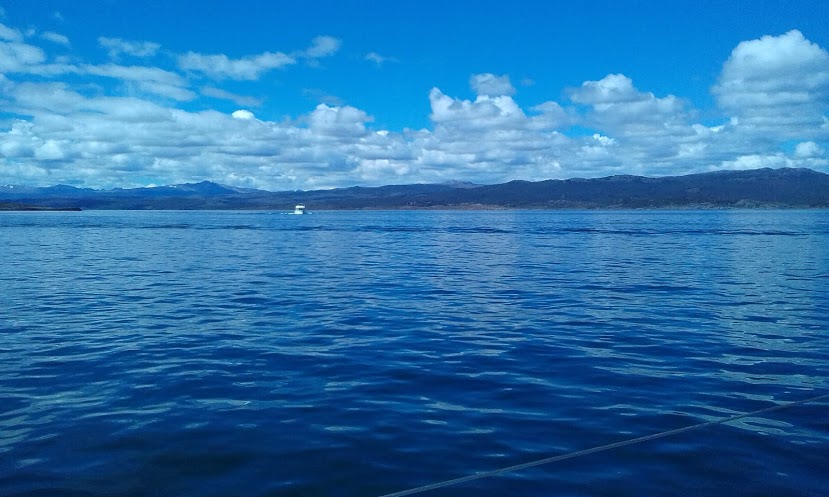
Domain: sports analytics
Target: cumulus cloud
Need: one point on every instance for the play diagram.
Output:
(808, 150)
(343, 122)
(492, 139)
(127, 125)
(552, 115)
(484, 112)
(777, 85)
(49, 150)
(491, 85)
(612, 89)
(117, 47)
(653, 130)
(618, 105)
(243, 114)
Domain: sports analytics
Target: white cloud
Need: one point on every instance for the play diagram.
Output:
(10, 34)
(612, 89)
(339, 122)
(756, 161)
(322, 46)
(484, 112)
(243, 114)
(55, 38)
(20, 57)
(776, 85)
(552, 115)
(51, 150)
(105, 125)
(148, 79)
(807, 150)
(136, 73)
(209, 91)
(117, 47)
(604, 141)
(29, 59)
(165, 90)
(53, 102)
(220, 66)
(652, 132)
(491, 139)
(618, 105)
(491, 85)
(378, 59)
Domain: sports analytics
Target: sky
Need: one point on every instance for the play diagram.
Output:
(286, 95)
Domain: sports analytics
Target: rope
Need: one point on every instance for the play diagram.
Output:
(601, 448)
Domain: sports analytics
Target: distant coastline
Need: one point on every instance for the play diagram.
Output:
(786, 188)
(14, 206)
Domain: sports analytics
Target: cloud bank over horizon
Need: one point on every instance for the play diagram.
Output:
(149, 115)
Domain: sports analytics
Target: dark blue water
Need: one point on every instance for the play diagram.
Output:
(362, 353)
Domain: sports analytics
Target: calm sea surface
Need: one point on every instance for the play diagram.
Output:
(363, 353)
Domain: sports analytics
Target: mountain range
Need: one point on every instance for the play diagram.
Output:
(758, 188)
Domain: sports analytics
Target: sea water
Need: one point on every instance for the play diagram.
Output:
(363, 353)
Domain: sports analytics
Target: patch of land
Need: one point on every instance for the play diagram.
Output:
(15, 206)
(751, 189)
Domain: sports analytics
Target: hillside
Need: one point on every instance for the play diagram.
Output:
(760, 188)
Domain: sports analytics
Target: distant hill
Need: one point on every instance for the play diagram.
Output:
(759, 188)
(15, 206)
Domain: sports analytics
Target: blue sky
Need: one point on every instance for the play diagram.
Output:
(319, 94)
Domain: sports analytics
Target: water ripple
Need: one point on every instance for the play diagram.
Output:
(199, 353)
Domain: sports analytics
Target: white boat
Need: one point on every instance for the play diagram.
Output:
(299, 209)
